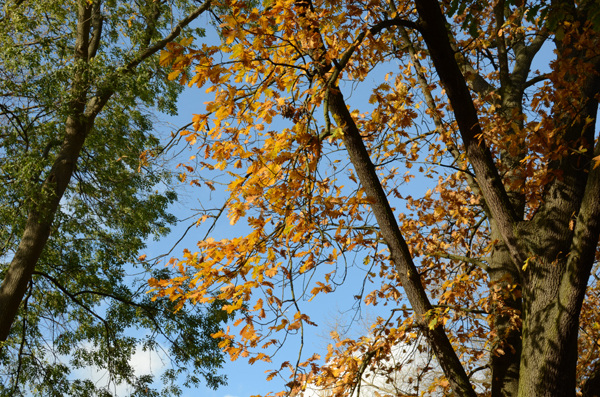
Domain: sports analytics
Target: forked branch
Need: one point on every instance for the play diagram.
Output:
(433, 29)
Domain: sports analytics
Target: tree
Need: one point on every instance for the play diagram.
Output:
(80, 195)
(493, 261)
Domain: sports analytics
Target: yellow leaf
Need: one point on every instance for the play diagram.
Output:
(165, 57)
(596, 161)
(295, 325)
(432, 323)
(187, 41)
(525, 264)
(173, 75)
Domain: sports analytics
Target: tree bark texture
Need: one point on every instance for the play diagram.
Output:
(552, 254)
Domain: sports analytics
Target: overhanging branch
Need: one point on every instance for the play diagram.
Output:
(74, 298)
(479, 262)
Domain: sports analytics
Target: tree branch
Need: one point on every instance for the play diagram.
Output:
(96, 30)
(582, 253)
(480, 262)
(169, 38)
(74, 299)
(439, 124)
(536, 79)
(433, 29)
(97, 103)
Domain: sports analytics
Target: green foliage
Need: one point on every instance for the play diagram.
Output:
(87, 304)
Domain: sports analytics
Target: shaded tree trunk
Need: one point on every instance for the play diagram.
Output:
(550, 257)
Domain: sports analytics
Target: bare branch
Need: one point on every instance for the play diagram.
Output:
(479, 262)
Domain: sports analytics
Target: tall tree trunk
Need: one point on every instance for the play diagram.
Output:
(562, 237)
(505, 312)
(563, 250)
(45, 204)
(82, 113)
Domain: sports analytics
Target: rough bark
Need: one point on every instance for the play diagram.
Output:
(556, 286)
(505, 308)
(555, 280)
(563, 238)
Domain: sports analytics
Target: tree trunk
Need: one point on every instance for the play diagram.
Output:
(39, 223)
(505, 310)
(549, 353)
(555, 284)
(82, 113)
(44, 205)
(553, 253)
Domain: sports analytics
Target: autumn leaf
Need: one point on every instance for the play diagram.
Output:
(596, 161)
